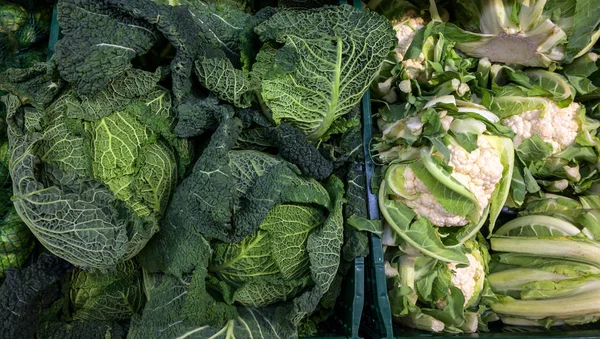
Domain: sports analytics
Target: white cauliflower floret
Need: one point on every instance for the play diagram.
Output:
(557, 126)
(480, 171)
(446, 120)
(415, 68)
(406, 29)
(465, 278)
(426, 205)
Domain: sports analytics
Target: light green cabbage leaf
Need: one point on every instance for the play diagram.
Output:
(329, 58)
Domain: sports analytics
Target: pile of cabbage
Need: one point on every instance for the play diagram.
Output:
(486, 111)
(187, 169)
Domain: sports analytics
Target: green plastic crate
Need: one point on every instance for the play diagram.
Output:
(377, 321)
(54, 33)
(345, 322)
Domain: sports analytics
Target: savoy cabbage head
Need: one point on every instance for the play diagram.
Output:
(329, 58)
(248, 246)
(92, 175)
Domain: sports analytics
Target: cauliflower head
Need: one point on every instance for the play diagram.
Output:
(426, 205)
(406, 28)
(469, 279)
(480, 171)
(554, 125)
(415, 68)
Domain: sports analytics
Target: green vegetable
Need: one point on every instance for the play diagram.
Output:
(435, 296)
(16, 241)
(321, 72)
(421, 182)
(12, 18)
(26, 292)
(546, 272)
(107, 297)
(24, 26)
(251, 264)
(4, 163)
(108, 167)
(532, 33)
(295, 148)
(90, 58)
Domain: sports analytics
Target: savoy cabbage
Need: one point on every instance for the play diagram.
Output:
(316, 77)
(105, 168)
(275, 236)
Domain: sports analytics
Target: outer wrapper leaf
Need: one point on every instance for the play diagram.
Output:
(330, 57)
(89, 57)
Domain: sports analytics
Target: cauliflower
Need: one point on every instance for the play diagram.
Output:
(480, 171)
(386, 87)
(555, 125)
(425, 283)
(406, 28)
(415, 68)
(467, 279)
(426, 205)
